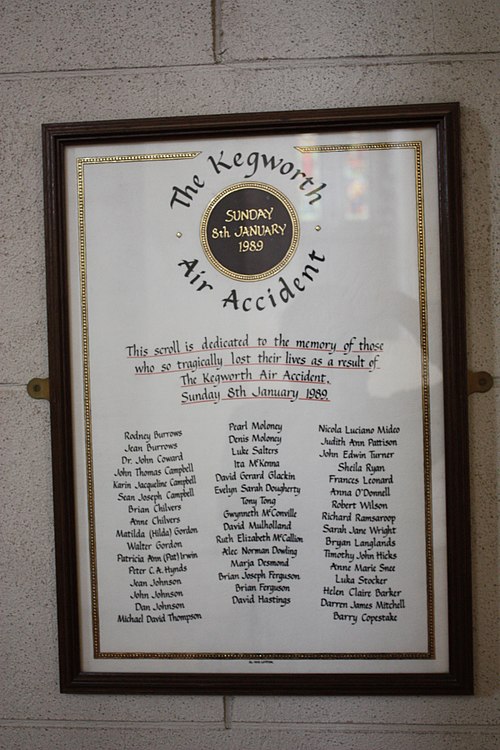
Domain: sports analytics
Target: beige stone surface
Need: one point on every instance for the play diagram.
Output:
(466, 25)
(258, 30)
(249, 737)
(57, 35)
(320, 29)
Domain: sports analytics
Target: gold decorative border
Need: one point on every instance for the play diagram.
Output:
(171, 156)
(416, 146)
(293, 244)
(189, 656)
(82, 242)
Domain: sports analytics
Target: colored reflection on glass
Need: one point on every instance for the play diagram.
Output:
(356, 180)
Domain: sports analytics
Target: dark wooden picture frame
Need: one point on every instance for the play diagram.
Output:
(443, 120)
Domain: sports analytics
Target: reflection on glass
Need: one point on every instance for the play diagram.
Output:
(356, 181)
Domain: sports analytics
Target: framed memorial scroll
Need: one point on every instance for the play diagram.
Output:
(258, 395)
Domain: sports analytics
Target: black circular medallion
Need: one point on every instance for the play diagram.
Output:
(249, 231)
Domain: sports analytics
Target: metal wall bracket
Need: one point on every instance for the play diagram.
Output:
(479, 382)
(39, 388)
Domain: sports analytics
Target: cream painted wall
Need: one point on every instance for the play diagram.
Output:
(103, 59)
